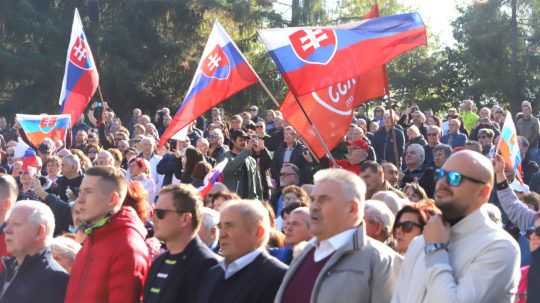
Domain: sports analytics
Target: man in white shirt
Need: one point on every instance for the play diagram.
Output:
(462, 256)
(248, 274)
(341, 264)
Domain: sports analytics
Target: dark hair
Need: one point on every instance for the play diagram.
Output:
(111, 175)
(289, 208)
(424, 209)
(201, 169)
(226, 195)
(371, 165)
(186, 199)
(193, 157)
(137, 197)
(531, 198)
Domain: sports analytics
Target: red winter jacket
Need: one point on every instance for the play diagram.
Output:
(111, 267)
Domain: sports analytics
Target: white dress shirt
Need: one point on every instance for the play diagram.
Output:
(327, 247)
(238, 264)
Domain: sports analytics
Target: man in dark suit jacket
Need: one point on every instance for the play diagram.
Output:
(248, 274)
(292, 151)
(175, 275)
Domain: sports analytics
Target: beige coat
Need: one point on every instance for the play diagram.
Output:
(362, 271)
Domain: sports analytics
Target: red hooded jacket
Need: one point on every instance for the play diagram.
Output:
(112, 264)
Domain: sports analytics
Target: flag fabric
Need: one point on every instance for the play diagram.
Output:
(39, 127)
(312, 58)
(508, 146)
(222, 72)
(331, 109)
(26, 154)
(213, 176)
(81, 77)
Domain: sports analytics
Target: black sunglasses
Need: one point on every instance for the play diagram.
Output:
(407, 226)
(454, 178)
(160, 212)
(533, 230)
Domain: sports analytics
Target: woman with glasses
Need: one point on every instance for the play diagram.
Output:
(410, 222)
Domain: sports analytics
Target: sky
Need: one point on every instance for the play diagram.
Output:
(437, 15)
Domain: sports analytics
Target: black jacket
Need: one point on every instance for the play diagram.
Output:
(256, 283)
(38, 279)
(297, 158)
(182, 285)
(168, 166)
(533, 292)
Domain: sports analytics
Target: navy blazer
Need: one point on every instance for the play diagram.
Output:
(258, 282)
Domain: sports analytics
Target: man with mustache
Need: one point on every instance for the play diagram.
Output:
(462, 256)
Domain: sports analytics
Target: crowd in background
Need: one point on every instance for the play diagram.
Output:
(412, 206)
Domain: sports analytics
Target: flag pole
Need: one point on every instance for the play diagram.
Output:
(317, 133)
(100, 94)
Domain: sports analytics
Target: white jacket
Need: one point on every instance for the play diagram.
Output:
(481, 266)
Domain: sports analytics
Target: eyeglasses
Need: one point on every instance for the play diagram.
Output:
(455, 178)
(258, 126)
(533, 230)
(160, 212)
(407, 226)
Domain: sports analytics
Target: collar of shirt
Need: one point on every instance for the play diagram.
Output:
(240, 263)
(327, 247)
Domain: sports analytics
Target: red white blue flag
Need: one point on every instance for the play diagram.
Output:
(313, 58)
(23, 152)
(508, 146)
(39, 127)
(213, 176)
(81, 77)
(222, 72)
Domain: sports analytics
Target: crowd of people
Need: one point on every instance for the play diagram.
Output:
(412, 206)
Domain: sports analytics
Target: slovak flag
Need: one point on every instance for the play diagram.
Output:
(312, 58)
(39, 127)
(508, 146)
(222, 72)
(81, 77)
(213, 176)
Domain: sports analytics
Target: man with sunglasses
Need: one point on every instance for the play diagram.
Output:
(175, 275)
(462, 256)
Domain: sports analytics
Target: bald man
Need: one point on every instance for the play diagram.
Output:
(462, 255)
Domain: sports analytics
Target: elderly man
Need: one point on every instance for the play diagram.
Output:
(391, 173)
(416, 171)
(31, 274)
(296, 233)
(373, 175)
(248, 274)
(289, 175)
(104, 158)
(148, 146)
(342, 264)
(389, 141)
(454, 138)
(292, 151)
(70, 180)
(175, 275)
(433, 139)
(379, 220)
(115, 237)
(463, 245)
(528, 126)
(209, 232)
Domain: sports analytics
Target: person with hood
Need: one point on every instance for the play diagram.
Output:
(114, 259)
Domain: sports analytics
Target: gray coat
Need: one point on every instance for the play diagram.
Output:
(362, 271)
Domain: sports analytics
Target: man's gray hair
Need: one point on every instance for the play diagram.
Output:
(352, 186)
(219, 134)
(419, 149)
(40, 214)
(74, 160)
(380, 213)
(210, 218)
(304, 210)
(253, 213)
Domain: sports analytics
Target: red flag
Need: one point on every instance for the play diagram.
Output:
(331, 109)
